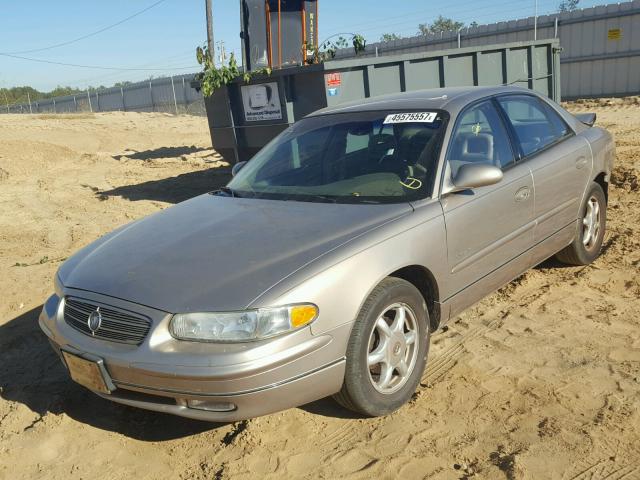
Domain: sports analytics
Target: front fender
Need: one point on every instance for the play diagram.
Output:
(340, 281)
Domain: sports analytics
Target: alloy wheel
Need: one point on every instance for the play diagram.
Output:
(393, 348)
(591, 223)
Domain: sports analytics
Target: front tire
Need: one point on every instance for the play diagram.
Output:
(586, 246)
(387, 350)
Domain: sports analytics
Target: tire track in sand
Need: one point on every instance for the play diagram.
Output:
(611, 461)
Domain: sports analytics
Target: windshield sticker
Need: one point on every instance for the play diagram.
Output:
(421, 117)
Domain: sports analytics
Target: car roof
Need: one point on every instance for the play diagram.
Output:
(451, 99)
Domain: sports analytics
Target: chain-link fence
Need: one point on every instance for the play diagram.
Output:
(169, 95)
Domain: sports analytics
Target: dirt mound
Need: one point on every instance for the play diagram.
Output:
(580, 104)
(626, 178)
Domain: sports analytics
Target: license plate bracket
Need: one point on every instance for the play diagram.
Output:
(89, 371)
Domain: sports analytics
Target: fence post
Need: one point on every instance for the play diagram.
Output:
(124, 107)
(153, 107)
(175, 102)
(184, 95)
(75, 103)
(29, 98)
(89, 98)
(535, 21)
(97, 101)
(54, 106)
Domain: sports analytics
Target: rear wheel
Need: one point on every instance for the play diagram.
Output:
(586, 246)
(387, 351)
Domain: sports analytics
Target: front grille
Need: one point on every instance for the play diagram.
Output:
(116, 326)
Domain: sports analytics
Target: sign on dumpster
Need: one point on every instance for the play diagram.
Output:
(261, 102)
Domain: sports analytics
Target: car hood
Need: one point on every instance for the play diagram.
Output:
(215, 253)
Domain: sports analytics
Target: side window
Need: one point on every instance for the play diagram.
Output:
(480, 137)
(536, 126)
(357, 142)
(562, 129)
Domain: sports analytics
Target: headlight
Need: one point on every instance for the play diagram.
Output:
(57, 286)
(242, 326)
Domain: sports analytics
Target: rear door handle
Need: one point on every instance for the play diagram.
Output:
(523, 194)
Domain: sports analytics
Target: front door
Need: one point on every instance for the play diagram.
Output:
(487, 227)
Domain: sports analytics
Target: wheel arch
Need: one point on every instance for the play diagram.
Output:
(423, 279)
(601, 179)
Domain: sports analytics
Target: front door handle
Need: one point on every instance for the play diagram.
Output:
(523, 194)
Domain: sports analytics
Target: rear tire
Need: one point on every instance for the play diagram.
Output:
(590, 229)
(387, 350)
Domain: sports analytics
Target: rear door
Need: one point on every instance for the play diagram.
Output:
(560, 161)
(487, 226)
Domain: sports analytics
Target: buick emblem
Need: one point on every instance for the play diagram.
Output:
(94, 321)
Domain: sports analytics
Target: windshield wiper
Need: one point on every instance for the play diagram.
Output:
(228, 191)
(310, 197)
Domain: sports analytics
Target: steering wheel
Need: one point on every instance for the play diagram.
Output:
(411, 183)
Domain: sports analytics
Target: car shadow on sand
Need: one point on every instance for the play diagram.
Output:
(32, 374)
(327, 407)
(173, 189)
(161, 152)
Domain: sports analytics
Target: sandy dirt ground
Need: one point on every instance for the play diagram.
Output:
(540, 380)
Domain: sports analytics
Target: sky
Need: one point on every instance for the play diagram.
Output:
(162, 40)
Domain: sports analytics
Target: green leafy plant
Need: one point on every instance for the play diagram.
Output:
(212, 78)
(359, 43)
(247, 76)
(329, 47)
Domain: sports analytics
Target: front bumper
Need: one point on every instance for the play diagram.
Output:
(205, 381)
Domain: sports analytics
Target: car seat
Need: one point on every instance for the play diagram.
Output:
(472, 148)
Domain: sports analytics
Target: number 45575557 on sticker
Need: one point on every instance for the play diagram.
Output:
(422, 117)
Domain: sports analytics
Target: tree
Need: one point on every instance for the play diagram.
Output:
(60, 91)
(24, 94)
(389, 37)
(568, 5)
(440, 24)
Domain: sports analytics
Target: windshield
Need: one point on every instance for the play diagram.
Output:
(364, 157)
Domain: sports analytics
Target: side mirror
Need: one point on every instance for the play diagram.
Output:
(474, 175)
(237, 167)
